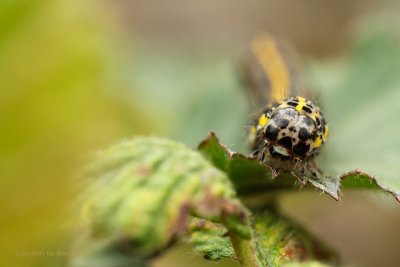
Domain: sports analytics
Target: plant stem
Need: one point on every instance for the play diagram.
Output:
(244, 251)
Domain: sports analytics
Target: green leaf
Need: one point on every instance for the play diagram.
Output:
(211, 240)
(363, 110)
(279, 240)
(140, 192)
(251, 178)
(276, 239)
(102, 254)
(306, 264)
(360, 179)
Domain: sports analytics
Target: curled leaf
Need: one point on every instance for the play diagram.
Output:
(140, 193)
(361, 179)
(250, 177)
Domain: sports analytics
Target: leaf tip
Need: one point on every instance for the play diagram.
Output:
(211, 136)
(360, 174)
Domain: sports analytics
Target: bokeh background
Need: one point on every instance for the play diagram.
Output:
(77, 76)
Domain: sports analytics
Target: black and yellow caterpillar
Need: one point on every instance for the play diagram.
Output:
(290, 130)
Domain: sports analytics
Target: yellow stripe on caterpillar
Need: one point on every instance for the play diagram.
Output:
(263, 120)
(302, 103)
(317, 143)
(274, 67)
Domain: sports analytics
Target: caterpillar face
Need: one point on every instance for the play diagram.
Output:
(293, 129)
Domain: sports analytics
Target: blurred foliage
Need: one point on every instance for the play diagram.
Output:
(279, 240)
(138, 196)
(210, 239)
(69, 85)
(193, 92)
(306, 264)
(139, 193)
(363, 108)
(60, 72)
(274, 241)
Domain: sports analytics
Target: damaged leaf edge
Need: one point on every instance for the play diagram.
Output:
(303, 180)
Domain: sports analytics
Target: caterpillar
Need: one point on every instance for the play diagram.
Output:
(290, 129)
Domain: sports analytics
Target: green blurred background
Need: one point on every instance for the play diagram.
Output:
(76, 76)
